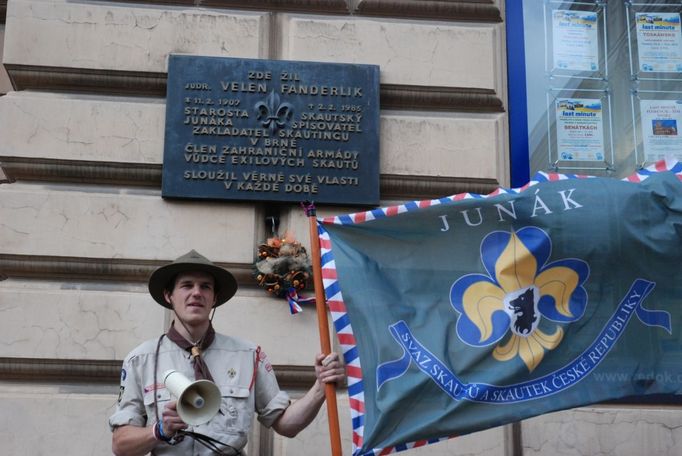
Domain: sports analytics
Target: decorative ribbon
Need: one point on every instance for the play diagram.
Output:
(556, 381)
(295, 301)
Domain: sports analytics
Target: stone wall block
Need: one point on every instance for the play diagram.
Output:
(76, 323)
(37, 420)
(121, 37)
(601, 431)
(413, 53)
(110, 223)
(448, 145)
(78, 127)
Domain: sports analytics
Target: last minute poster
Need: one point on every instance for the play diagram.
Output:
(575, 38)
(580, 129)
(659, 42)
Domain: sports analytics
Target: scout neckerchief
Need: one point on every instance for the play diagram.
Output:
(195, 349)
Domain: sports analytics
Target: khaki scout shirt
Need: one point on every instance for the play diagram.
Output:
(231, 362)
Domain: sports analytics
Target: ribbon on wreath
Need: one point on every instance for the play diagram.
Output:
(295, 301)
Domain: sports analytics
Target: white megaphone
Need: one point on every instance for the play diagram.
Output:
(198, 401)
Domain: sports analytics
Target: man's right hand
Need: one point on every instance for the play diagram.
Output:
(170, 420)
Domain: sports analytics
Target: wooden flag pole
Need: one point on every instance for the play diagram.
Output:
(323, 326)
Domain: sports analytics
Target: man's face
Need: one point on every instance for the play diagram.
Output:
(193, 297)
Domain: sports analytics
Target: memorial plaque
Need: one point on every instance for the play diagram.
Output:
(271, 130)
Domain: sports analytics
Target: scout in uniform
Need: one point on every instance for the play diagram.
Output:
(146, 419)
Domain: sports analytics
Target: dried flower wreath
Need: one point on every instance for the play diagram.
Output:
(283, 269)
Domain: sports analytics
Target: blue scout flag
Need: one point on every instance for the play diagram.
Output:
(469, 312)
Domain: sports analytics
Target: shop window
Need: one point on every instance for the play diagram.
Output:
(595, 87)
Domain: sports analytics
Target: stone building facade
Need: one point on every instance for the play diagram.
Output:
(82, 221)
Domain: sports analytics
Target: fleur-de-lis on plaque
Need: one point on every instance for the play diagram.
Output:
(273, 114)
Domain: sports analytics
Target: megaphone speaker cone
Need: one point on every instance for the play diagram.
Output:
(197, 402)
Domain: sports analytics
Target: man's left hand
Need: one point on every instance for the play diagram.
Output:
(328, 368)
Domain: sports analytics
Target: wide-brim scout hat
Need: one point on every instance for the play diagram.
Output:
(225, 283)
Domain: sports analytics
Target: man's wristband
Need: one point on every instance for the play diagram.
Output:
(157, 431)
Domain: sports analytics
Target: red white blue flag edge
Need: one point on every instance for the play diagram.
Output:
(337, 306)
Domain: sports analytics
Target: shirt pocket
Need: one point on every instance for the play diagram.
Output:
(236, 408)
(162, 397)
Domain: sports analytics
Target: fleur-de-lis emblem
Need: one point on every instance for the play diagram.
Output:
(273, 114)
(522, 295)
